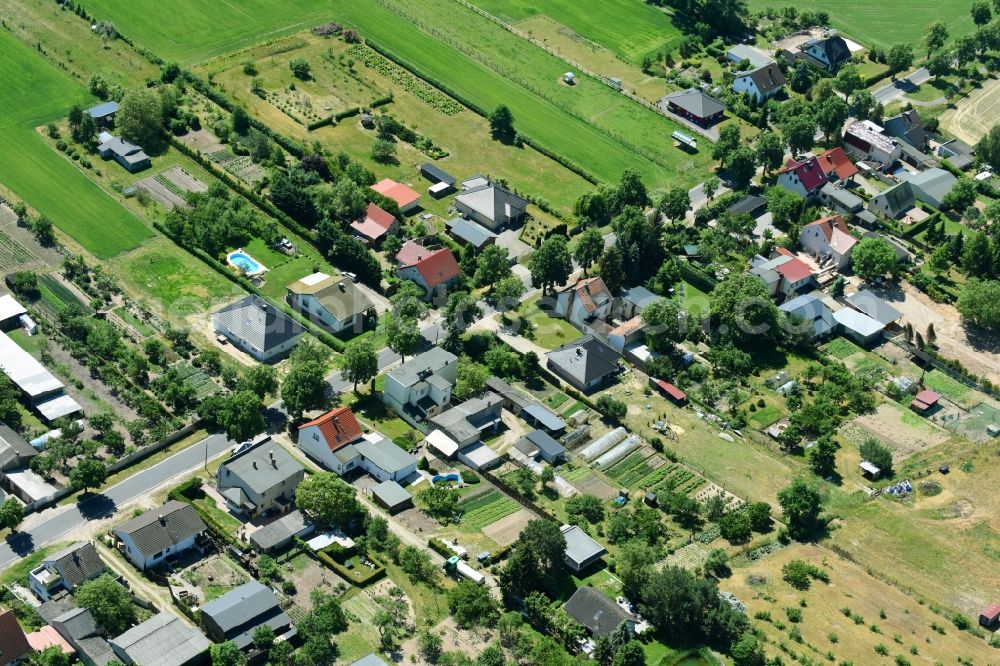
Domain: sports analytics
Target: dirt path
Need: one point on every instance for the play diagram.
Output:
(976, 350)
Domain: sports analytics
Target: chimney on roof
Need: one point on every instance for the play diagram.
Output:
(254, 464)
(342, 286)
(274, 462)
(163, 521)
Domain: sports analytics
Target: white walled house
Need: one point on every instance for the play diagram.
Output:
(161, 533)
(336, 304)
(829, 237)
(421, 387)
(325, 438)
(260, 480)
(761, 83)
(586, 301)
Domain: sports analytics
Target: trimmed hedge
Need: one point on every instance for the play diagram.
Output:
(440, 547)
(696, 277)
(347, 113)
(323, 122)
(381, 101)
(348, 574)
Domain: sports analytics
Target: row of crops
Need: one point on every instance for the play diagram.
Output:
(576, 474)
(170, 185)
(12, 252)
(487, 508)
(56, 295)
(203, 385)
(406, 80)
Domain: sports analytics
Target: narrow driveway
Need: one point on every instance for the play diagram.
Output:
(53, 524)
(900, 87)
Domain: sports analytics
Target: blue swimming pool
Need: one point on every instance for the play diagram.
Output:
(244, 262)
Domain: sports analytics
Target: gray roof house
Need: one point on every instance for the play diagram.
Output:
(66, 569)
(491, 205)
(740, 52)
(539, 444)
(908, 126)
(598, 613)
(858, 326)
(867, 302)
(78, 628)
(235, 615)
(812, 312)
(694, 105)
(384, 460)
(581, 550)
(585, 363)
(162, 640)
(893, 202)
(127, 154)
(632, 301)
(279, 533)
(14, 450)
(421, 387)
(260, 480)
(258, 328)
(828, 53)
(160, 533)
(471, 233)
(466, 422)
(931, 186)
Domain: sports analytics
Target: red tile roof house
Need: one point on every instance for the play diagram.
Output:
(434, 270)
(404, 196)
(784, 273)
(925, 401)
(586, 301)
(829, 237)
(807, 177)
(324, 436)
(375, 225)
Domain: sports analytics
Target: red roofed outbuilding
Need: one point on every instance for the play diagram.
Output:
(989, 616)
(925, 401)
(405, 197)
(676, 395)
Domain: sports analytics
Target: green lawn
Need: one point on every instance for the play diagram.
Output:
(128, 317)
(544, 109)
(946, 386)
(191, 31)
(887, 22)
(40, 93)
(549, 331)
(282, 270)
(841, 348)
(631, 29)
(178, 284)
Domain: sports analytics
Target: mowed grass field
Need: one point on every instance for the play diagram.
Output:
(886, 22)
(553, 121)
(631, 29)
(33, 94)
(190, 31)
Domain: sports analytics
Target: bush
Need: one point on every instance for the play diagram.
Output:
(470, 477)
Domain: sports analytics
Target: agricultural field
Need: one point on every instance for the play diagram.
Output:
(357, 75)
(888, 22)
(44, 178)
(558, 124)
(631, 30)
(643, 132)
(190, 32)
(849, 616)
(974, 115)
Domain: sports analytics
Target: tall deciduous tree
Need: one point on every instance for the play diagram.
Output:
(873, 257)
(88, 473)
(492, 265)
(109, 602)
(801, 504)
(403, 336)
(11, 514)
(550, 264)
(140, 117)
(328, 500)
(360, 362)
(935, 36)
(588, 248)
(304, 388)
